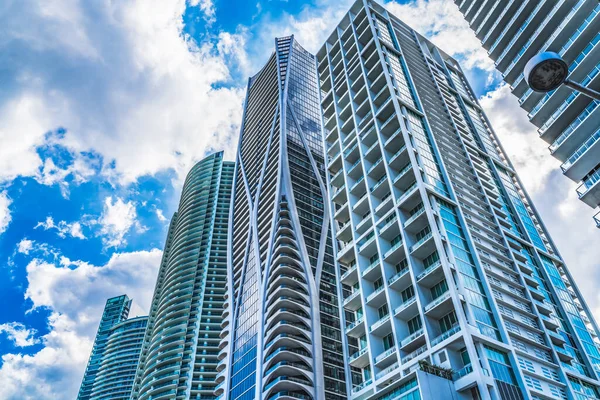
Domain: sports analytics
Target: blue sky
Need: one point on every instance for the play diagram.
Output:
(106, 105)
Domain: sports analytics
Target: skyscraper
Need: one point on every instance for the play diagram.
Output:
(514, 31)
(283, 338)
(452, 288)
(116, 373)
(182, 341)
(116, 310)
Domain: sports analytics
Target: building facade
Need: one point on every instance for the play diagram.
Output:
(452, 288)
(116, 311)
(115, 376)
(179, 356)
(283, 339)
(514, 31)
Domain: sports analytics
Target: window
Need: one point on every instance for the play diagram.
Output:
(414, 324)
(388, 342)
(439, 289)
(448, 321)
(383, 311)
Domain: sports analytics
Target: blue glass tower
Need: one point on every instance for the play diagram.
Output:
(182, 342)
(284, 339)
(115, 376)
(116, 311)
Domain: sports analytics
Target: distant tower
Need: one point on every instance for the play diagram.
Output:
(284, 337)
(514, 31)
(116, 310)
(115, 376)
(179, 357)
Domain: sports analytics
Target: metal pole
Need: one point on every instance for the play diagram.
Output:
(583, 89)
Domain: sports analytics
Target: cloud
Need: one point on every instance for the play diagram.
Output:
(18, 334)
(520, 139)
(160, 215)
(75, 293)
(25, 246)
(445, 26)
(123, 81)
(116, 220)
(5, 217)
(63, 228)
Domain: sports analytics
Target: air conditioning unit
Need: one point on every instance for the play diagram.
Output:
(442, 359)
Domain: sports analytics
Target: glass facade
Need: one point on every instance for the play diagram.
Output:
(450, 283)
(513, 32)
(286, 340)
(114, 380)
(116, 311)
(182, 345)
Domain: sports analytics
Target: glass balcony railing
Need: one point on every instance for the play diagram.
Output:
(581, 150)
(590, 181)
(438, 300)
(414, 354)
(361, 386)
(445, 335)
(421, 241)
(386, 353)
(405, 304)
(574, 125)
(429, 269)
(386, 371)
(357, 354)
(355, 324)
(413, 336)
(397, 276)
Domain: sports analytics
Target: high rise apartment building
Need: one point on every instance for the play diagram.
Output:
(115, 311)
(182, 342)
(284, 339)
(115, 376)
(452, 288)
(514, 31)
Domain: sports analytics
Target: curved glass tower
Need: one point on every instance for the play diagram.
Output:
(116, 310)
(285, 339)
(179, 357)
(116, 373)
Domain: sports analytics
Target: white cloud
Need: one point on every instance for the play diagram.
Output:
(519, 138)
(63, 228)
(442, 23)
(122, 80)
(5, 216)
(18, 334)
(116, 220)
(25, 246)
(75, 292)
(159, 214)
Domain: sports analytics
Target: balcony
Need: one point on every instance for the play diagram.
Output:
(361, 386)
(417, 221)
(400, 280)
(431, 275)
(360, 359)
(350, 277)
(407, 309)
(589, 190)
(396, 252)
(382, 327)
(440, 306)
(395, 367)
(449, 333)
(414, 340)
(377, 298)
(373, 271)
(357, 328)
(352, 302)
(423, 246)
(414, 354)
